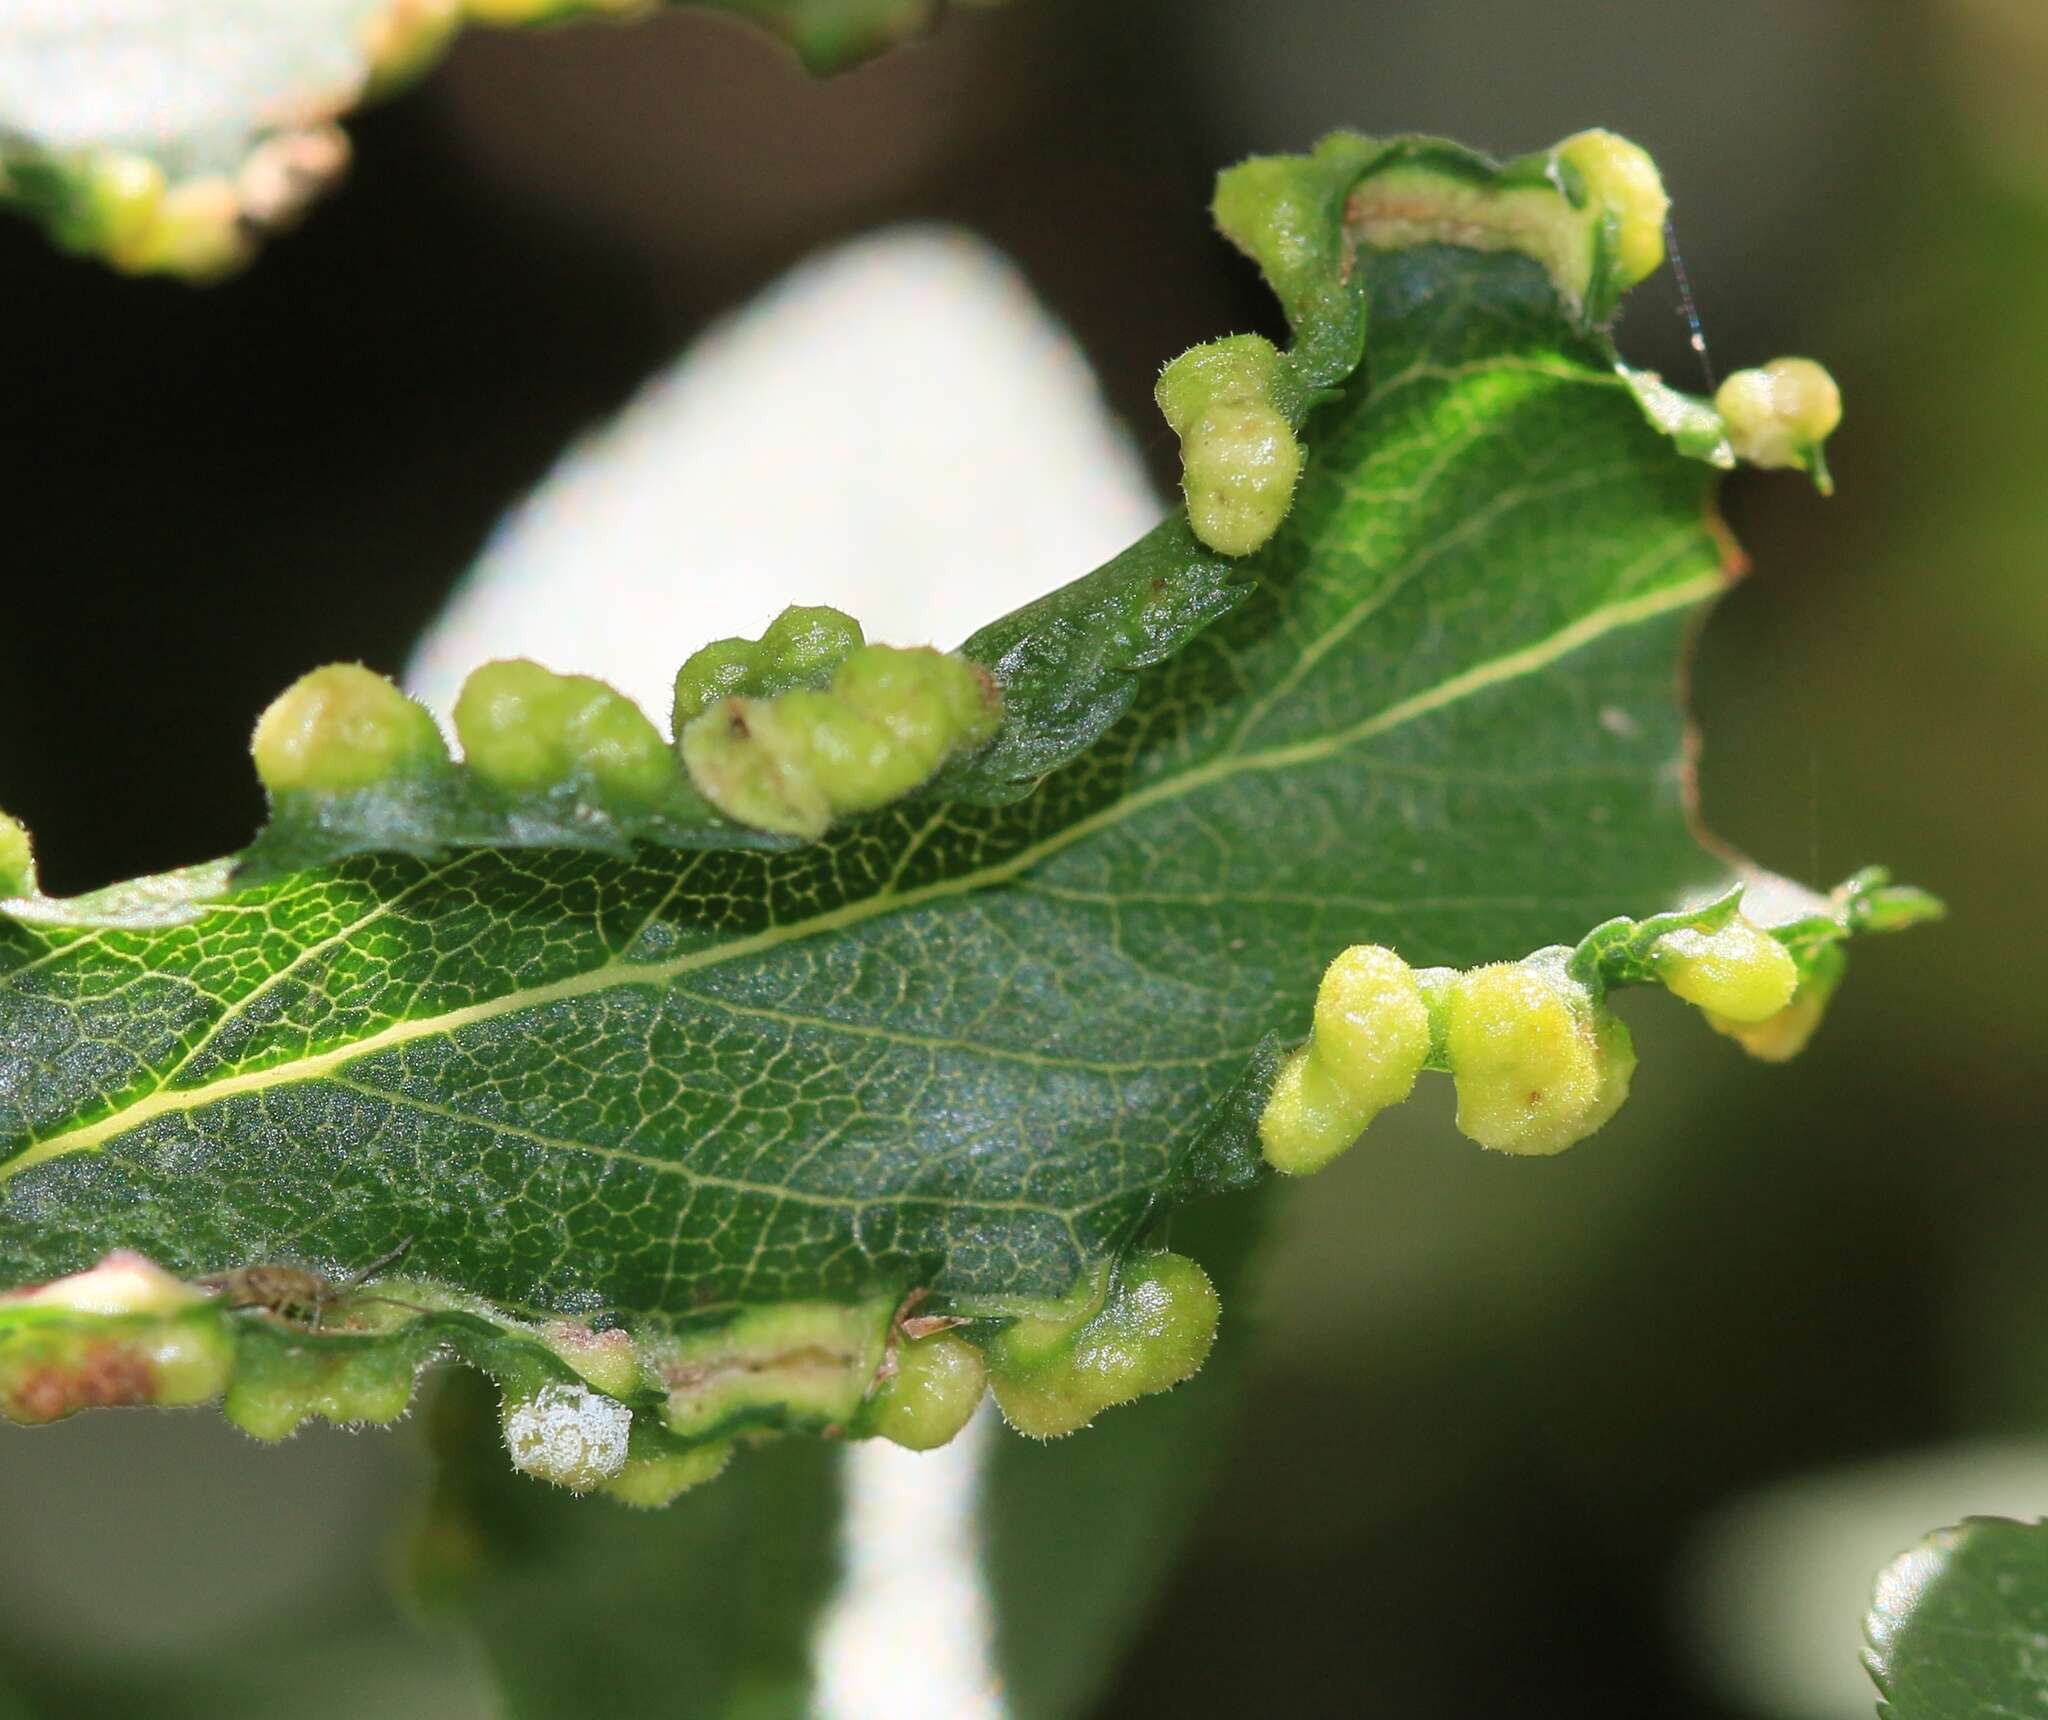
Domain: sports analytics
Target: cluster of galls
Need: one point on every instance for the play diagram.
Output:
(1590, 210)
(786, 734)
(638, 1419)
(1539, 1060)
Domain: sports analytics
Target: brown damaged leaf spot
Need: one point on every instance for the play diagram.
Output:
(582, 1337)
(1359, 208)
(906, 1327)
(692, 1376)
(105, 1376)
(1735, 562)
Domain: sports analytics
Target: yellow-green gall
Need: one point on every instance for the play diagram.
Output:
(1780, 415)
(1623, 183)
(753, 760)
(1240, 461)
(525, 729)
(938, 1382)
(808, 640)
(1782, 1036)
(720, 670)
(1368, 1044)
(124, 194)
(17, 858)
(194, 228)
(801, 647)
(1739, 971)
(1240, 458)
(890, 718)
(1154, 1331)
(1271, 208)
(403, 37)
(648, 1483)
(1536, 1070)
(191, 1358)
(795, 763)
(276, 1387)
(1045, 1329)
(53, 1368)
(343, 727)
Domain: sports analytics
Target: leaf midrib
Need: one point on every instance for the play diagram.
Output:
(1467, 683)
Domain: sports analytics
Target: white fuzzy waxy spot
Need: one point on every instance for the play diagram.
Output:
(569, 1435)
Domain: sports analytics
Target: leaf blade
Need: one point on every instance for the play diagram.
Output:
(1184, 755)
(970, 1048)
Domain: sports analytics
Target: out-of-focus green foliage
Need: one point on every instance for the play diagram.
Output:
(1956, 1632)
(707, 1609)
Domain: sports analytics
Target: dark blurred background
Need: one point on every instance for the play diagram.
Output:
(1600, 1441)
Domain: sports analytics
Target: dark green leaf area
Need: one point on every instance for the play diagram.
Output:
(1959, 1627)
(973, 1048)
(1068, 664)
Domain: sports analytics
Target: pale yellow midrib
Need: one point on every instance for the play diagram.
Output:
(1480, 678)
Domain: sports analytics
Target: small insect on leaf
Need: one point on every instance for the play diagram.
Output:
(293, 1293)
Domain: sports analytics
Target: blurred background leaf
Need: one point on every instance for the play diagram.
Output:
(705, 1608)
(1956, 1629)
(1771, 1572)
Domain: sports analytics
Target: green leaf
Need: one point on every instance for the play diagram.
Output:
(556, 1592)
(1959, 1626)
(673, 1133)
(12, 1707)
(164, 135)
